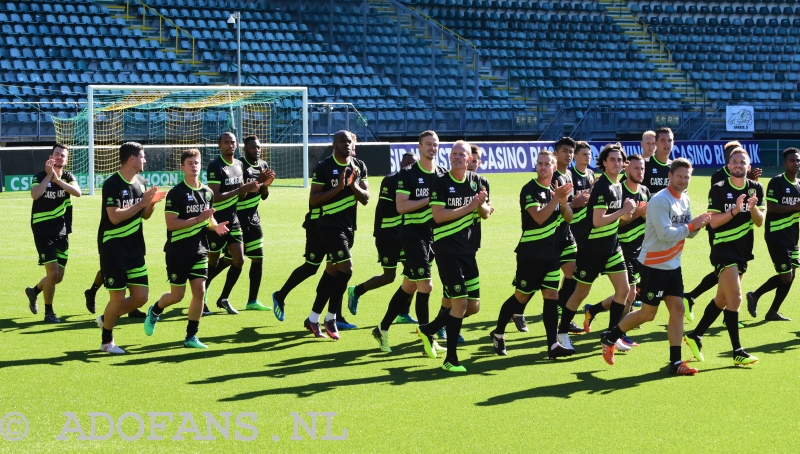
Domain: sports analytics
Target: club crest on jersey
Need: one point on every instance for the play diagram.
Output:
(421, 271)
(173, 277)
(213, 245)
(386, 260)
(340, 254)
(650, 296)
(523, 283)
(110, 281)
(783, 265)
(473, 185)
(311, 256)
(751, 192)
(208, 195)
(583, 273)
(42, 256)
(457, 288)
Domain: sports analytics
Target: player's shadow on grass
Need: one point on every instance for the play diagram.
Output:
(71, 356)
(7, 325)
(777, 347)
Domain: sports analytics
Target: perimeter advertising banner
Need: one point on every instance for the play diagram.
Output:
(506, 157)
(166, 178)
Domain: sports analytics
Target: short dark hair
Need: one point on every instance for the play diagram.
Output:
(564, 141)
(790, 151)
(190, 153)
(737, 150)
(476, 149)
(248, 139)
(226, 134)
(663, 130)
(679, 163)
(427, 133)
(580, 145)
(59, 145)
(608, 149)
(635, 157)
(732, 145)
(129, 149)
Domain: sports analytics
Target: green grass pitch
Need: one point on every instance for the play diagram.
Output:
(398, 402)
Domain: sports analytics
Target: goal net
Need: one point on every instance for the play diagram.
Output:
(169, 119)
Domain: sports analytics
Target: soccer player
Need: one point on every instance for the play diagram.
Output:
(473, 165)
(225, 178)
(387, 241)
(668, 223)
(631, 235)
(189, 215)
(51, 223)
(736, 205)
(339, 184)
(781, 235)
(126, 203)
(538, 253)
(648, 144)
(91, 293)
(255, 169)
(582, 180)
(456, 199)
(602, 253)
(656, 169)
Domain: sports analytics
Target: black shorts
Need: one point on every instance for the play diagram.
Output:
(315, 248)
(784, 256)
(632, 265)
(569, 250)
(535, 274)
(419, 255)
(390, 251)
(181, 268)
(721, 264)
(253, 240)
(218, 243)
(120, 273)
(52, 249)
(459, 275)
(337, 244)
(590, 265)
(658, 284)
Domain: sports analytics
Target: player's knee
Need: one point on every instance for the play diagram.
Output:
(787, 277)
(388, 276)
(473, 307)
(345, 267)
(425, 286)
(177, 294)
(548, 294)
(237, 261)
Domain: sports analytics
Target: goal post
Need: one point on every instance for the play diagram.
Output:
(169, 119)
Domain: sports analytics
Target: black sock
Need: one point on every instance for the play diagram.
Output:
(360, 290)
(780, 294)
(255, 279)
(108, 336)
(595, 309)
(567, 315)
(567, 289)
(453, 329)
(709, 281)
(36, 289)
(230, 281)
(732, 323)
(48, 309)
(615, 314)
(406, 307)
(95, 287)
(324, 288)
(221, 265)
(300, 274)
(191, 328)
(614, 333)
(438, 323)
(157, 310)
(399, 300)
(550, 320)
(674, 354)
(421, 307)
(337, 294)
(509, 308)
(711, 313)
(772, 283)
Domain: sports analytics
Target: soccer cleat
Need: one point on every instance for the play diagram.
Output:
(90, 295)
(688, 307)
(696, 345)
(628, 341)
(739, 324)
(427, 342)
(563, 339)
(520, 323)
(682, 368)
(352, 300)
(256, 305)
(450, 367)
(332, 329)
(206, 310)
(637, 303)
(314, 328)
(225, 304)
(99, 321)
(51, 318)
(441, 334)
(752, 304)
(742, 358)
(776, 317)
(345, 325)
(111, 347)
(621, 346)
(193, 342)
(437, 347)
(587, 318)
(558, 351)
(383, 339)
(498, 344)
(405, 319)
(32, 296)
(608, 348)
(460, 339)
(277, 307)
(136, 313)
(150, 322)
(575, 329)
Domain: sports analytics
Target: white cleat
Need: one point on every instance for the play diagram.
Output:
(111, 347)
(621, 346)
(563, 339)
(437, 347)
(99, 321)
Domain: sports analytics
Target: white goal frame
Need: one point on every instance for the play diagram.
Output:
(90, 104)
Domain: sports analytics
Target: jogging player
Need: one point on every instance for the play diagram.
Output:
(656, 170)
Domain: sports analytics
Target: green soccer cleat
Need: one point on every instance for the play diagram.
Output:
(256, 305)
(383, 339)
(740, 325)
(193, 342)
(405, 319)
(352, 300)
(688, 308)
(696, 345)
(427, 342)
(742, 358)
(150, 322)
(451, 368)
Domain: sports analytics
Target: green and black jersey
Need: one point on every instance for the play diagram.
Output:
(538, 240)
(51, 214)
(720, 175)
(340, 210)
(188, 202)
(605, 195)
(229, 176)
(476, 234)
(387, 220)
(631, 234)
(580, 220)
(416, 182)
(734, 239)
(125, 239)
(656, 174)
(782, 228)
(454, 237)
(247, 206)
(563, 232)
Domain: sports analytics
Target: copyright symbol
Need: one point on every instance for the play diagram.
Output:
(14, 426)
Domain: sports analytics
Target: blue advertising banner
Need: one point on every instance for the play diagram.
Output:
(505, 157)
